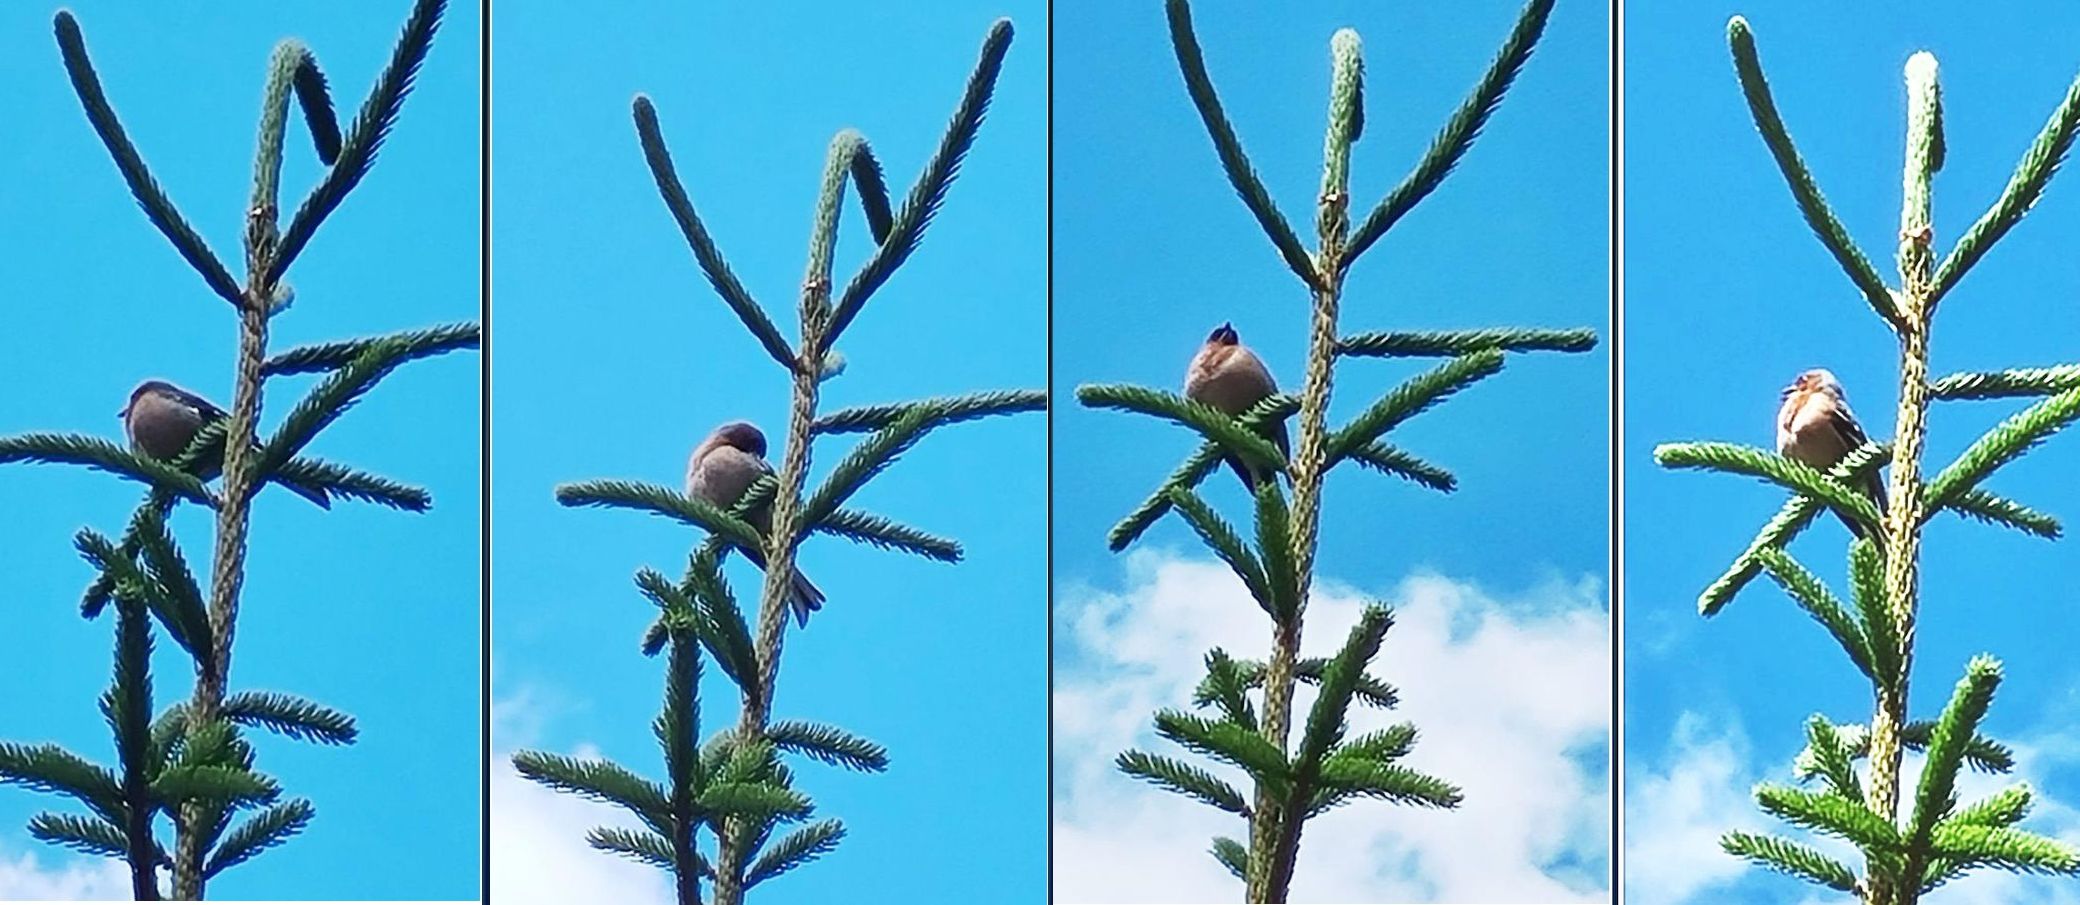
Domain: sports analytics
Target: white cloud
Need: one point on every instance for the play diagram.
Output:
(64, 878)
(1512, 697)
(538, 851)
(1676, 811)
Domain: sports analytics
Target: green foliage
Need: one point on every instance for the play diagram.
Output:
(101, 455)
(357, 153)
(1413, 398)
(1789, 857)
(1790, 474)
(1273, 564)
(1454, 343)
(736, 788)
(1938, 840)
(1820, 603)
(1457, 136)
(794, 850)
(1184, 779)
(1804, 189)
(409, 344)
(1192, 62)
(200, 773)
(900, 238)
(829, 744)
(157, 207)
(874, 530)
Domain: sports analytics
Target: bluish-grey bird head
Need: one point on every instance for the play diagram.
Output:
(156, 387)
(743, 435)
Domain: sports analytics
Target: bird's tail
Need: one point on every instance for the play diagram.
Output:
(803, 597)
(1252, 478)
(1874, 487)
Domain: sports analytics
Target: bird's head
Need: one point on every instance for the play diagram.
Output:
(742, 435)
(1817, 380)
(147, 387)
(1224, 335)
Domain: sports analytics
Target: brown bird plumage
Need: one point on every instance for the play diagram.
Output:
(161, 420)
(1815, 426)
(718, 473)
(1229, 377)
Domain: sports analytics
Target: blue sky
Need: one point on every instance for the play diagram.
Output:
(1718, 264)
(366, 609)
(613, 358)
(1153, 250)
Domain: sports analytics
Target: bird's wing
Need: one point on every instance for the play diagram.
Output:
(207, 409)
(1844, 423)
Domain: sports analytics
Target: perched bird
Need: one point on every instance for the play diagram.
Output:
(162, 419)
(1229, 377)
(1816, 427)
(718, 473)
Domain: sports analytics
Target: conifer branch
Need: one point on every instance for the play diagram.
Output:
(638, 845)
(267, 829)
(157, 207)
(2002, 445)
(291, 716)
(335, 480)
(794, 850)
(1411, 399)
(599, 780)
(1195, 469)
(2021, 193)
(1392, 461)
(183, 616)
(1232, 855)
(907, 230)
(736, 785)
(946, 410)
(1208, 421)
(704, 251)
(1804, 189)
(1994, 510)
(1938, 841)
(1793, 518)
(1812, 595)
(1278, 568)
(1828, 757)
(867, 528)
(1454, 343)
(101, 455)
(659, 501)
(1452, 143)
(292, 70)
(2002, 384)
(408, 345)
(829, 744)
(1792, 475)
(1192, 62)
(128, 708)
(357, 152)
(1785, 856)
(1184, 779)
